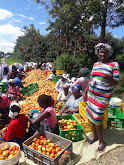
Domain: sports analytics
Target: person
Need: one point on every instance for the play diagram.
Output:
(4, 109)
(16, 130)
(104, 75)
(64, 94)
(46, 71)
(83, 79)
(72, 104)
(60, 83)
(12, 73)
(13, 92)
(47, 118)
(52, 75)
(18, 80)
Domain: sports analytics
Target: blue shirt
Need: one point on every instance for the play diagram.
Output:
(18, 82)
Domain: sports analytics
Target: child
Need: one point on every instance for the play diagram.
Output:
(47, 118)
(13, 92)
(17, 127)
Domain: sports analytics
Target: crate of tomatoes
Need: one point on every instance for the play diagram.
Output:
(47, 148)
(70, 128)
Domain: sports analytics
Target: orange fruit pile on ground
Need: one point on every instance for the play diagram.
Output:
(45, 87)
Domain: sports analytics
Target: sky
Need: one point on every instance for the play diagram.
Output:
(15, 14)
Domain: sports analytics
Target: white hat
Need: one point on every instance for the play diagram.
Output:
(64, 76)
(14, 103)
(73, 79)
(11, 81)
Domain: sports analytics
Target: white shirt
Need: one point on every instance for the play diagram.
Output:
(59, 85)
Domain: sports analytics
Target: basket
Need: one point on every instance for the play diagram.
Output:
(114, 122)
(73, 134)
(59, 72)
(115, 113)
(3, 87)
(29, 90)
(40, 158)
(13, 160)
(87, 127)
(55, 79)
(82, 109)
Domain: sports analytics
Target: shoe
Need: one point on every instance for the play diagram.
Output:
(91, 140)
(101, 148)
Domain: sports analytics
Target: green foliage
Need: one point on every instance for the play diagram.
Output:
(72, 65)
(119, 89)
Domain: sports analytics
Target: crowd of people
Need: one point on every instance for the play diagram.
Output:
(95, 89)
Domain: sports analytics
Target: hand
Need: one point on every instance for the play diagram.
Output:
(68, 111)
(85, 97)
(107, 77)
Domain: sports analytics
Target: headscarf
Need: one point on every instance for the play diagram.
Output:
(101, 46)
(15, 113)
(84, 72)
(76, 88)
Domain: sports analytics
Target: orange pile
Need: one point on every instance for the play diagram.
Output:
(45, 87)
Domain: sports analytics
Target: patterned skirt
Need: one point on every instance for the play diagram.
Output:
(99, 95)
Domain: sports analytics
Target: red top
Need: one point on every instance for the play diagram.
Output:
(16, 128)
(4, 102)
(46, 71)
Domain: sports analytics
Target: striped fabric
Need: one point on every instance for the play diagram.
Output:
(100, 91)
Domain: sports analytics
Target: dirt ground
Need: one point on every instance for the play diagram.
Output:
(113, 157)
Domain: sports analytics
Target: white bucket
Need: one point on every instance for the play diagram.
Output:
(115, 102)
(14, 159)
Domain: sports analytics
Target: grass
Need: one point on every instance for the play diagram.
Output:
(14, 60)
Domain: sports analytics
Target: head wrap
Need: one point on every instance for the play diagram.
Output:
(14, 103)
(101, 46)
(76, 88)
(11, 113)
(11, 81)
(84, 71)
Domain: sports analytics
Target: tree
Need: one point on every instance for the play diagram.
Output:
(106, 13)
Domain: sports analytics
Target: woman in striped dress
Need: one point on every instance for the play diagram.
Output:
(104, 75)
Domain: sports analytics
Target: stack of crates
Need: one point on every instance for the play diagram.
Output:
(82, 109)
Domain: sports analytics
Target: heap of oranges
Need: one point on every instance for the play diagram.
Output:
(45, 87)
(46, 147)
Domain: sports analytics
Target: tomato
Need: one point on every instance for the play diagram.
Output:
(41, 137)
(49, 150)
(44, 152)
(52, 145)
(2, 158)
(52, 155)
(45, 142)
(15, 152)
(58, 149)
(53, 150)
(14, 148)
(17, 147)
(35, 139)
(56, 146)
(1, 151)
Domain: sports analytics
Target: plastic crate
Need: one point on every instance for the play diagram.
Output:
(73, 134)
(53, 83)
(3, 87)
(29, 90)
(104, 124)
(59, 72)
(82, 109)
(114, 122)
(87, 127)
(55, 79)
(122, 108)
(40, 158)
(49, 73)
(115, 113)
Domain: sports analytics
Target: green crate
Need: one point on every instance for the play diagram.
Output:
(55, 79)
(117, 123)
(3, 87)
(29, 90)
(114, 112)
(73, 134)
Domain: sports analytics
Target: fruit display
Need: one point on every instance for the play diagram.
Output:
(8, 152)
(67, 124)
(45, 87)
(46, 147)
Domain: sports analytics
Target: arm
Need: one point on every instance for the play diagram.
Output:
(55, 103)
(112, 81)
(64, 109)
(42, 116)
(85, 93)
(57, 86)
